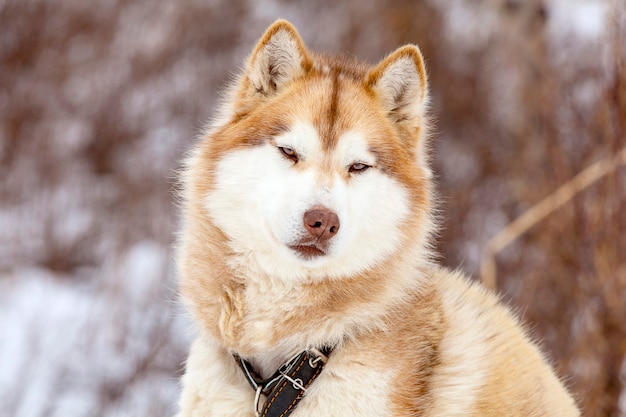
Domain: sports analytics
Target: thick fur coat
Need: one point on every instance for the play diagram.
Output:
(308, 222)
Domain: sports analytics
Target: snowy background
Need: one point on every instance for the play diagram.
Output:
(99, 100)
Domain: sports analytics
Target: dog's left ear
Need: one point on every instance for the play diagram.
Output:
(401, 85)
(279, 58)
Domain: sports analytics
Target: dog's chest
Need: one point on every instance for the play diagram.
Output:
(348, 388)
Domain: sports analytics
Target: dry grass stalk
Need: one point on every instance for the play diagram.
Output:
(542, 209)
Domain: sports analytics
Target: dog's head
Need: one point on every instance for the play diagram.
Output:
(317, 165)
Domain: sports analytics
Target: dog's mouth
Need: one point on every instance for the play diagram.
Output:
(308, 251)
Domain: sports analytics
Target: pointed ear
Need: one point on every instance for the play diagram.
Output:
(279, 57)
(400, 84)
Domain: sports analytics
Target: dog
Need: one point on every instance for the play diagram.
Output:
(306, 256)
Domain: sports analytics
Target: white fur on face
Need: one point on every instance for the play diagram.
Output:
(260, 198)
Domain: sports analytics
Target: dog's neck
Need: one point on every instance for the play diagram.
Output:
(267, 322)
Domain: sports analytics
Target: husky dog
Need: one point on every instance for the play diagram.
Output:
(305, 256)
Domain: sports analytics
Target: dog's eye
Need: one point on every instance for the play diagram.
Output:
(289, 153)
(358, 167)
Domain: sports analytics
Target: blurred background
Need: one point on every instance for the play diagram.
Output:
(100, 99)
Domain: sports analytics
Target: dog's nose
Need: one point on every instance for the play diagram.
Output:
(321, 222)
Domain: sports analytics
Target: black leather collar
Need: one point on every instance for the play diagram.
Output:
(288, 385)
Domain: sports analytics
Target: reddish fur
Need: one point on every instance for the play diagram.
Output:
(337, 95)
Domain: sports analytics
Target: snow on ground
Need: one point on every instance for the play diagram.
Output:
(67, 346)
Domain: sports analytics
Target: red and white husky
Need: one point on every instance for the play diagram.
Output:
(307, 227)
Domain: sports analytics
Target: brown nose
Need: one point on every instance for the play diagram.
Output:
(321, 223)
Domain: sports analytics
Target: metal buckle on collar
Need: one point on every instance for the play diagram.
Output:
(319, 357)
(294, 371)
(257, 397)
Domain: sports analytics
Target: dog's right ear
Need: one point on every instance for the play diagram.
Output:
(279, 58)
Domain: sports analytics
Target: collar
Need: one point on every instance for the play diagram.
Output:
(286, 387)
